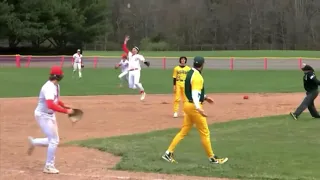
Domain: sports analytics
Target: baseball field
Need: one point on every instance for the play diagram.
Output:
(121, 137)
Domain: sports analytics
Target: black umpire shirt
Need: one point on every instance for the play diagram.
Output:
(310, 81)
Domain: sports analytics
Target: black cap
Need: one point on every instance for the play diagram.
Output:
(198, 61)
(307, 68)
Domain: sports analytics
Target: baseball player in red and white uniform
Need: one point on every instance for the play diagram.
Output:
(124, 64)
(48, 104)
(77, 63)
(134, 67)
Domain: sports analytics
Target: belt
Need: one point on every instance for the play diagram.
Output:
(180, 80)
(133, 69)
(190, 101)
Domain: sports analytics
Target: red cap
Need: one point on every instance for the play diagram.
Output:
(124, 55)
(56, 70)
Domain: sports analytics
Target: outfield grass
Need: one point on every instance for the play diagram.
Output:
(263, 148)
(244, 53)
(27, 81)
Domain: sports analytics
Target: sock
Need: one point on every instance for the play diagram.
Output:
(40, 141)
(80, 74)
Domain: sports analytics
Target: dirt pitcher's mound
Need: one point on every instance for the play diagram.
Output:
(110, 116)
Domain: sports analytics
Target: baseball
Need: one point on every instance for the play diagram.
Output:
(128, 5)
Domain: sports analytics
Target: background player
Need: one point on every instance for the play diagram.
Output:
(194, 113)
(48, 104)
(77, 63)
(134, 67)
(179, 75)
(124, 63)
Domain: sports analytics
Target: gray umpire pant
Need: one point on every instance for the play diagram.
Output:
(308, 102)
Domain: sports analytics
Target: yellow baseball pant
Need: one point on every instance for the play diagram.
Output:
(177, 96)
(192, 116)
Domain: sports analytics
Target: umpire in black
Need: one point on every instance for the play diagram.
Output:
(310, 83)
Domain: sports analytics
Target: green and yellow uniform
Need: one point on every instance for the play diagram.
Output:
(194, 87)
(179, 76)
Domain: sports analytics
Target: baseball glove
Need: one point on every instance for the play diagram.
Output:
(147, 63)
(82, 66)
(76, 116)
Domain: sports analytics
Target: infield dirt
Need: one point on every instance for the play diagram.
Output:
(108, 116)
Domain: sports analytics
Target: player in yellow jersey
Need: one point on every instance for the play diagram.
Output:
(194, 114)
(179, 75)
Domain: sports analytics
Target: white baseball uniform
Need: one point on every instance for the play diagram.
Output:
(124, 72)
(134, 70)
(46, 119)
(124, 64)
(77, 61)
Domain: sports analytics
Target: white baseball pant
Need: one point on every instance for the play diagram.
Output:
(125, 76)
(49, 127)
(134, 80)
(77, 66)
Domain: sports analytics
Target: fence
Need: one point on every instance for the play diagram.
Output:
(231, 63)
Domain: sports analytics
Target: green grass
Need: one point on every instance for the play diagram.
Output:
(27, 81)
(244, 53)
(270, 148)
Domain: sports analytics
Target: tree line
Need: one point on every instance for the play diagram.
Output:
(162, 25)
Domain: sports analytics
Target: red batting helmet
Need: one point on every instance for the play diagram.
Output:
(124, 56)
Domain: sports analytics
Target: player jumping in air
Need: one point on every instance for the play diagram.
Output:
(134, 67)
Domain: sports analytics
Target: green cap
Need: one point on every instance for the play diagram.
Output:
(198, 60)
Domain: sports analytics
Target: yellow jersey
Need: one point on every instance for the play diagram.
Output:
(180, 74)
(193, 82)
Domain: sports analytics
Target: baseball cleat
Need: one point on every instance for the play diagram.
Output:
(293, 116)
(175, 115)
(143, 95)
(169, 157)
(50, 170)
(316, 116)
(217, 160)
(31, 146)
